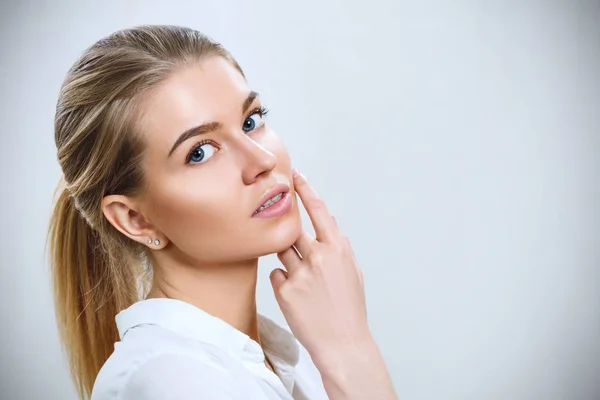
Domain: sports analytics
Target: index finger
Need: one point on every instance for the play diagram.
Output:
(315, 207)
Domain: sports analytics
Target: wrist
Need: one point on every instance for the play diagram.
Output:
(337, 359)
(355, 372)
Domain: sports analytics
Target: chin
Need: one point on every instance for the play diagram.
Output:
(282, 236)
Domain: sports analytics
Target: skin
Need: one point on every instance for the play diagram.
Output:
(210, 244)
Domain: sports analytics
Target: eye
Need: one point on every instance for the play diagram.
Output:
(200, 153)
(255, 120)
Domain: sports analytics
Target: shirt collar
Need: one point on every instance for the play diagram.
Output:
(191, 321)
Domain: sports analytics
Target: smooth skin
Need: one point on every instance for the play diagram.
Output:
(323, 300)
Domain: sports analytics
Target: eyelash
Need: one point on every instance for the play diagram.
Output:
(262, 111)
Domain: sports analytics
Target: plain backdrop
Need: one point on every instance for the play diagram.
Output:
(457, 143)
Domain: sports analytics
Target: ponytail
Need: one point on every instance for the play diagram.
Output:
(89, 290)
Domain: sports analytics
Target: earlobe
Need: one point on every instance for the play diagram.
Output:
(156, 242)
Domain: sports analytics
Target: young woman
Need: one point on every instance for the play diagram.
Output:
(173, 187)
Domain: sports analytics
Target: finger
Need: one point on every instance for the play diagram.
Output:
(315, 207)
(304, 244)
(290, 259)
(277, 277)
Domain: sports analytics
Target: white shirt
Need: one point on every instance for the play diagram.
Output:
(172, 350)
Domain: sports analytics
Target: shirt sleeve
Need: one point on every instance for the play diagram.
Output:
(178, 377)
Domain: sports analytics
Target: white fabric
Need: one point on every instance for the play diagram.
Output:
(172, 350)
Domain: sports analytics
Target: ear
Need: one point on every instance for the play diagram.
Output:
(123, 213)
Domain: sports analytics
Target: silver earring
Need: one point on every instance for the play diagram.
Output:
(149, 241)
(157, 242)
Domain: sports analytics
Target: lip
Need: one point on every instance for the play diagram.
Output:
(279, 188)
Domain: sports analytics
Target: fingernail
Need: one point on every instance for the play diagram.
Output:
(295, 173)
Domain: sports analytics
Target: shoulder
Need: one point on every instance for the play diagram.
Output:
(153, 363)
(175, 376)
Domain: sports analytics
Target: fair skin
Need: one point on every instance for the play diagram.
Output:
(200, 204)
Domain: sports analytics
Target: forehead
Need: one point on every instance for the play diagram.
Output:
(206, 91)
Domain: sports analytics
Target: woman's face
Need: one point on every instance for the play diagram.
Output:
(204, 189)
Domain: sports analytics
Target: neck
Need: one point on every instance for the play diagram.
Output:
(225, 291)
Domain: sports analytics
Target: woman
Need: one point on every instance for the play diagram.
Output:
(174, 186)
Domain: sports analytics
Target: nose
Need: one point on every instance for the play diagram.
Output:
(257, 161)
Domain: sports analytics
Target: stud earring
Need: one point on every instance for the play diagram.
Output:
(157, 242)
(149, 241)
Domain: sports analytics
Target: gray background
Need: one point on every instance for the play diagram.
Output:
(457, 143)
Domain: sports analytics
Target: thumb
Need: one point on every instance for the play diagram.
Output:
(278, 277)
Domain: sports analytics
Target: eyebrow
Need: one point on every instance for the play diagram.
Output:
(210, 126)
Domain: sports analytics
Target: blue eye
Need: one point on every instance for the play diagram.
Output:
(255, 120)
(200, 153)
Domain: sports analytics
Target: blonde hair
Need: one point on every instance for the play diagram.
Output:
(95, 268)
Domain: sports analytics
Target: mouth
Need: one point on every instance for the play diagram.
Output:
(275, 202)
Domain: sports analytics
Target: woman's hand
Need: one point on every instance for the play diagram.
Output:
(322, 294)
(322, 298)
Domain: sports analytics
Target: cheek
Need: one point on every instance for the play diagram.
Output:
(192, 214)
